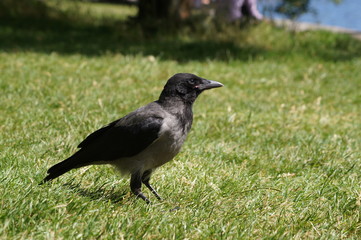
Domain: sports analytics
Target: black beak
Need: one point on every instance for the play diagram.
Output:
(208, 84)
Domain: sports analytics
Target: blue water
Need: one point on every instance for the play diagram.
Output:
(346, 14)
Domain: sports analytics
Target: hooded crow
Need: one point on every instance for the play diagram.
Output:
(144, 139)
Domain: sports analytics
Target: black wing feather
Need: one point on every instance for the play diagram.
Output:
(129, 140)
(111, 142)
(125, 137)
(93, 136)
(122, 138)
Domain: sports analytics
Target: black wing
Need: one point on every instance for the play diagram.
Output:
(123, 138)
(98, 133)
(109, 143)
(129, 140)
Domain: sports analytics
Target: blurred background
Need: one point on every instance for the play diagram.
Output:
(274, 154)
(126, 21)
(341, 13)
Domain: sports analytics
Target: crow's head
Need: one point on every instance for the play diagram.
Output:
(186, 86)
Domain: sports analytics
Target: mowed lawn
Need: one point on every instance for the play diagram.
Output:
(274, 154)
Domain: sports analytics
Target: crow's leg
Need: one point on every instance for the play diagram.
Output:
(136, 186)
(145, 180)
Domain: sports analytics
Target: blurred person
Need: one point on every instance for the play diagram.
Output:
(232, 10)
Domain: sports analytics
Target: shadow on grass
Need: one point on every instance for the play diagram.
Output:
(99, 194)
(66, 38)
(63, 37)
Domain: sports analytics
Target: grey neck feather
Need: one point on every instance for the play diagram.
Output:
(179, 108)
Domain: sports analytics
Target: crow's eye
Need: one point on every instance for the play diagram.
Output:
(191, 81)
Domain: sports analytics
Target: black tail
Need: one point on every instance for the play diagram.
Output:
(63, 167)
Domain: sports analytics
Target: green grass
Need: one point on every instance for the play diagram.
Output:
(274, 154)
